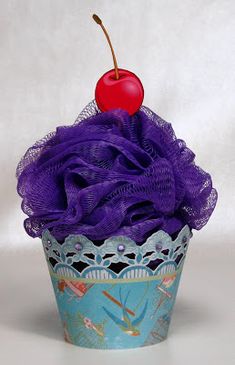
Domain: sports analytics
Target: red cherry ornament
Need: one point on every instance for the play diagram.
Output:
(118, 88)
(126, 92)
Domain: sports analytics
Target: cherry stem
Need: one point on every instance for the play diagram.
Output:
(99, 22)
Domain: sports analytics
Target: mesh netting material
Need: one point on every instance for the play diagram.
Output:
(113, 174)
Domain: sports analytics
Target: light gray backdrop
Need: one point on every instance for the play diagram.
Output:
(52, 54)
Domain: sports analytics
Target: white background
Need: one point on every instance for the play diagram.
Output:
(51, 56)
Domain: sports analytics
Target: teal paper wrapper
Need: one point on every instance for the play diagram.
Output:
(103, 309)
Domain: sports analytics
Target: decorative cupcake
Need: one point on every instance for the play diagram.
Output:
(115, 198)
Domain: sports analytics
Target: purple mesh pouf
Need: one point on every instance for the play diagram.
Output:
(112, 174)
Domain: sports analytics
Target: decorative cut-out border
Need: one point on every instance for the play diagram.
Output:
(63, 259)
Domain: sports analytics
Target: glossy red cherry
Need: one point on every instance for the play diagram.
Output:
(126, 92)
(118, 88)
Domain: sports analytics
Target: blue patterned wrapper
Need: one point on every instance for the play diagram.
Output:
(118, 295)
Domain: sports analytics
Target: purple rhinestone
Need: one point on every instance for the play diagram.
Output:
(78, 246)
(121, 248)
(158, 246)
(184, 239)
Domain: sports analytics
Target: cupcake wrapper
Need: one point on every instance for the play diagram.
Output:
(126, 308)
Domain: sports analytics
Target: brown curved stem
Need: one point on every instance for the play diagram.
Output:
(99, 21)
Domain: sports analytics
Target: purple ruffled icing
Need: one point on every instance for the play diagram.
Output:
(113, 174)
